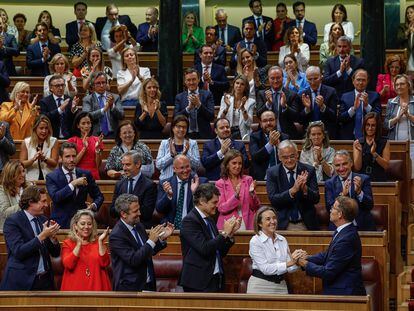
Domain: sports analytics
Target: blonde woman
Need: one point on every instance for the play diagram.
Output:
(59, 65)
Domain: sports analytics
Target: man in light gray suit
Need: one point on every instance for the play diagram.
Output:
(105, 107)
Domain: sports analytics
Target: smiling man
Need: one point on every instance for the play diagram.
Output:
(147, 35)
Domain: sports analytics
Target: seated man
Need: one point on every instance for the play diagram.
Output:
(219, 52)
(69, 186)
(354, 105)
(309, 32)
(356, 186)
(214, 150)
(147, 35)
(293, 190)
(105, 107)
(228, 35)
(263, 145)
(72, 28)
(197, 105)
(40, 53)
(8, 49)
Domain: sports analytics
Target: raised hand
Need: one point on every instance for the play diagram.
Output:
(195, 182)
(155, 233)
(168, 230)
(104, 235)
(347, 186)
(357, 145)
(357, 101)
(283, 102)
(186, 147)
(319, 101)
(225, 146)
(317, 153)
(357, 184)
(173, 152)
(252, 187)
(269, 96)
(166, 186)
(373, 147)
(99, 141)
(227, 100)
(306, 101)
(274, 138)
(85, 141)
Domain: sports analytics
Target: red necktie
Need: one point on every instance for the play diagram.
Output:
(205, 85)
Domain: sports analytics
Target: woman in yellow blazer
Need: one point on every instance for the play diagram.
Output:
(20, 113)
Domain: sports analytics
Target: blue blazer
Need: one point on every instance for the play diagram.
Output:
(23, 249)
(309, 28)
(148, 44)
(4, 83)
(123, 20)
(34, 58)
(10, 49)
(277, 186)
(130, 261)
(219, 56)
(65, 201)
(72, 33)
(233, 34)
(261, 59)
(268, 36)
(211, 161)
(364, 220)
(205, 113)
(339, 266)
(347, 123)
(219, 77)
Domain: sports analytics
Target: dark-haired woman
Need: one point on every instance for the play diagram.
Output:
(339, 15)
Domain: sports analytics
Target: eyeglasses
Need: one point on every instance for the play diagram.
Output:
(58, 85)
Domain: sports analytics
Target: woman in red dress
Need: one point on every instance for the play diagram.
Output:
(89, 147)
(85, 257)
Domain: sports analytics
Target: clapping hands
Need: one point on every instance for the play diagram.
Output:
(300, 256)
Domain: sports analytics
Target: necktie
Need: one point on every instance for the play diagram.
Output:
(249, 45)
(316, 112)
(130, 185)
(334, 234)
(205, 85)
(358, 120)
(150, 269)
(43, 251)
(104, 119)
(180, 206)
(294, 213)
(213, 236)
(222, 38)
(61, 119)
(39, 163)
(272, 155)
(258, 23)
(193, 118)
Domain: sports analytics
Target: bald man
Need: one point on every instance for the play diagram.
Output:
(147, 35)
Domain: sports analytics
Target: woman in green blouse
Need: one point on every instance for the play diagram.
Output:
(192, 36)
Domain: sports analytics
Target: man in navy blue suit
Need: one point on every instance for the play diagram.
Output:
(40, 53)
(69, 186)
(4, 83)
(132, 249)
(8, 49)
(339, 266)
(219, 55)
(262, 24)
(147, 35)
(30, 240)
(214, 150)
(228, 35)
(309, 32)
(356, 186)
(197, 105)
(354, 105)
(72, 29)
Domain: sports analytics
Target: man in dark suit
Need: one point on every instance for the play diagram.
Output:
(227, 34)
(72, 28)
(138, 184)
(320, 102)
(197, 105)
(263, 145)
(339, 266)
(309, 32)
(147, 35)
(219, 52)
(354, 105)
(339, 69)
(202, 246)
(59, 108)
(214, 150)
(213, 76)
(263, 25)
(132, 249)
(4, 83)
(104, 24)
(253, 44)
(356, 186)
(7, 146)
(8, 49)
(69, 186)
(175, 194)
(40, 53)
(293, 190)
(284, 103)
(30, 240)
(105, 107)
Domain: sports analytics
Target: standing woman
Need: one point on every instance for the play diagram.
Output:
(23, 36)
(293, 78)
(130, 77)
(405, 36)
(294, 45)
(246, 65)
(85, 256)
(192, 37)
(10, 29)
(95, 63)
(339, 15)
(328, 48)
(39, 152)
(54, 33)
(238, 196)
(59, 65)
(279, 25)
(394, 65)
(151, 113)
(89, 148)
(238, 108)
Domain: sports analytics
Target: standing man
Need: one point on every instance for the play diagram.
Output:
(219, 52)
(72, 28)
(31, 240)
(339, 266)
(309, 32)
(7, 145)
(69, 186)
(202, 246)
(147, 35)
(8, 49)
(228, 35)
(132, 249)
(105, 107)
(293, 190)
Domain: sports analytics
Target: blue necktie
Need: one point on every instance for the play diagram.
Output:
(193, 128)
(272, 155)
(130, 185)
(104, 119)
(180, 206)
(61, 119)
(150, 268)
(358, 121)
(43, 250)
(222, 36)
(210, 228)
(294, 212)
(316, 112)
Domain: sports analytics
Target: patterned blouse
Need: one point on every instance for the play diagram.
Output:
(114, 159)
(77, 50)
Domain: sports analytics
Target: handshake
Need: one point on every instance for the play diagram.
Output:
(299, 256)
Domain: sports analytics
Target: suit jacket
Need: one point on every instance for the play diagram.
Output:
(115, 114)
(34, 58)
(123, 20)
(199, 251)
(146, 191)
(343, 83)
(347, 122)
(260, 57)
(260, 156)
(219, 56)
(364, 220)
(339, 266)
(205, 113)
(219, 77)
(328, 117)
(48, 107)
(148, 44)
(4, 83)
(23, 249)
(20, 124)
(268, 36)
(233, 34)
(309, 29)
(72, 33)
(131, 261)
(287, 116)
(7, 146)
(392, 110)
(211, 161)
(65, 202)
(10, 49)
